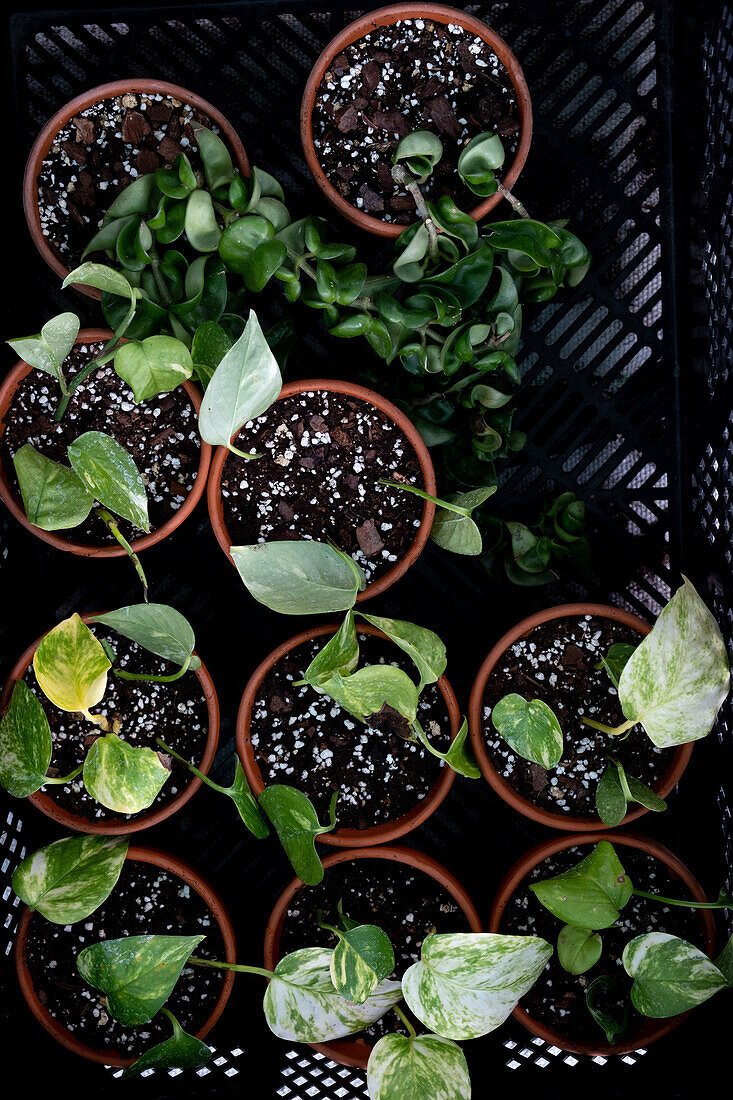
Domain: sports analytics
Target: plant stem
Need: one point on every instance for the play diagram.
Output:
(401, 176)
(613, 731)
(518, 206)
(107, 518)
(683, 904)
(182, 759)
(63, 778)
(68, 391)
(239, 968)
(159, 279)
(122, 674)
(425, 496)
(405, 1021)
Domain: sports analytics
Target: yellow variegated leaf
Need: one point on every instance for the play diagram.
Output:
(71, 666)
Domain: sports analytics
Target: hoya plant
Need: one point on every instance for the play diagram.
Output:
(664, 975)
(670, 687)
(463, 986)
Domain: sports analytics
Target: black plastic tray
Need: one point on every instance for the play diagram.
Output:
(627, 399)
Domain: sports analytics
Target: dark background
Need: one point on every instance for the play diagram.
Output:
(627, 399)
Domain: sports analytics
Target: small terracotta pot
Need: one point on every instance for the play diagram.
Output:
(344, 838)
(145, 819)
(383, 17)
(45, 140)
(109, 1057)
(650, 1030)
(7, 391)
(350, 389)
(355, 1052)
(679, 759)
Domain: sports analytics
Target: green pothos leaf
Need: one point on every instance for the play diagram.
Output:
(339, 655)
(69, 879)
(302, 1005)
(405, 1068)
(111, 476)
(369, 689)
(299, 578)
(578, 949)
(123, 777)
(157, 627)
(180, 1051)
(607, 999)
(296, 823)
(423, 646)
(25, 743)
(459, 756)
(362, 957)
(589, 895)
(54, 497)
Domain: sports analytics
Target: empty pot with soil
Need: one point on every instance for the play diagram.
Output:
(580, 711)
(386, 780)
(323, 448)
(148, 894)
(557, 1007)
(84, 707)
(97, 144)
(404, 68)
(407, 894)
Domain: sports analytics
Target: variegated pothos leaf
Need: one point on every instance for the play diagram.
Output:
(670, 975)
(123, 777)
(71, 666)
(427, 1067)
(69, 879)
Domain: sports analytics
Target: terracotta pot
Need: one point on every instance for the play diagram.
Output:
(650, 1030)
(145, 819)
(679, 759)
(81, 102)
(383, 17)
(110, 1057)
(7, 391)
(344, 838)
(355, 1052)
(351, 389)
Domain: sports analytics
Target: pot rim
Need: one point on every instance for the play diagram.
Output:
(370, 397)
(59, 119)
(345, 838)
(211, 898)
(145, 819)
(679, 759)
(361, 27)
(7, 391)
(650, 1030)
(355, 1052)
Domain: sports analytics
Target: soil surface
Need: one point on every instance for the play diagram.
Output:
(176, 712)
(406, 903)
(558, 998)
(307, 741)
(557, 663)
(161, 435)
(411, 75)
(323, 455)
(145, 901)
(99, 152)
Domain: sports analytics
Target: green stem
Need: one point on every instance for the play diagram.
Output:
(107, 518)
(425, 496)
(191, 767)
(683, 904)
(612, 731)
(160, 282)
(242, 454)
(239, 968)
(411, 1030)
(122, 674)
(402, 177)
(63, 778)
(104, 357)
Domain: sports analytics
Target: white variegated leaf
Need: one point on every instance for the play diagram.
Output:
(301, 1004)
(670, 975)
(69, 879)
(467, 983)
(427, 1067)
(677, 678)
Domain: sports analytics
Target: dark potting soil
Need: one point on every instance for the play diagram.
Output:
(145, 901)
(323, 454)
(411, 75)
(99, 152)
(557, 663)
(406, 903)
(558, 998)
(161, 435)
(177, 712)
(306, 740)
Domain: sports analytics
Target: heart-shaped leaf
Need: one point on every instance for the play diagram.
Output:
(670, 975)
(578, 949)
(405, 1068)
(607, 999)
(422, 646)
(181, 1051)
(467, 983)
(25, 743)
(616, 660)
(136, 973)
(339, 655)
(71, 666)
(530, 728)
(302, 1005)
(362, 957)
(49, 348)
(54, 497)
(67, 880)
(459, 756)
(589, 895)
(296, 823)
(459, 533)
(299, 578)
(102, 278)
(156, 627)
(369, 689)
(123, 777)
(153, 366)
(111, 476)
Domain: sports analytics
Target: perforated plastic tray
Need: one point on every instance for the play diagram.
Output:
(627, 399)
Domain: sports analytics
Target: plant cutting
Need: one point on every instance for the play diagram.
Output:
(558, 748)
(400, 69)
(91, 150)
(406, 893)
(332, 718)
(612, 925)
(82, 709)
(83, 889)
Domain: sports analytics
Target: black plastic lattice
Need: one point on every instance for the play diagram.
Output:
(626, 398)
